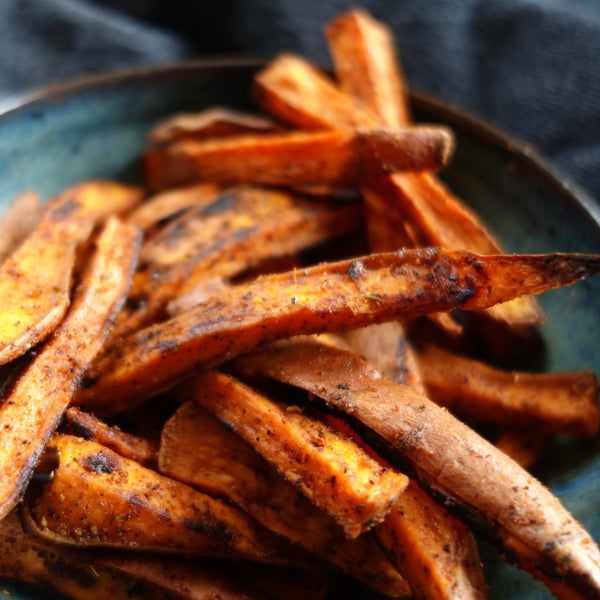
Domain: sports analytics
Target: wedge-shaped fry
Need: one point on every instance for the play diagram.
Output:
(424, 211)
(210, 123)
(28, 558)
(329, 469)
(79, 423)
(200, 451)
(98, 498)
(450, 457)
(167, 205)
(331, 297)
(234, 232)
(340, 158)
(301, 95)
(437, 554)
(19, 221)
(42, 393)
(547, 402)
(35, 293)
(367, 66)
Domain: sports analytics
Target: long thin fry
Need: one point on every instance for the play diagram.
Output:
(340, 158)
(329, 469)
(97, 498)
(35, 293)
(449, 456)
(329, 297)
(197, 449)
(42, 393)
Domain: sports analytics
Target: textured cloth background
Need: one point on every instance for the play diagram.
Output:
(531, 67)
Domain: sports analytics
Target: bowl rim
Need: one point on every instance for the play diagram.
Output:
(523, 152)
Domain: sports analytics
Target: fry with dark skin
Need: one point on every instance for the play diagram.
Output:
(42, 393)
(96, 498)
(79, 423)
(547, 402)
(372, 289)
(448, 456)
(36, 293)
(338, 158)
(202, 452)
(328, 468)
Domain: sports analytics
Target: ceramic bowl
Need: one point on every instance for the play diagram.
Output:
(97, 128)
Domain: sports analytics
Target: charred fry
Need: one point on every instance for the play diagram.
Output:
(42, 393)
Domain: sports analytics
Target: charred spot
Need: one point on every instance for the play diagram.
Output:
(135, 303)
(356, 270)
(102, 463)
(341, 386)
(65, 210)
(216, 531)
(462, 295)
(89, 381)
(222, 204)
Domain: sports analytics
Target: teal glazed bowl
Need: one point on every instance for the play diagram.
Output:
(97, 128)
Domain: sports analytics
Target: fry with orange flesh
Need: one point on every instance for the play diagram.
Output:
(234, 232)
(35, 293)
(450, 458)
(200, 451)
(436, 553)
(45, 388)
(97, 498)
(329, 469)
(79, 423)
(367, 66)
(210, 123)
(19, 221)
(167, 205)
(338, 158)
(547, 402)
(525, 447)
(330, 297)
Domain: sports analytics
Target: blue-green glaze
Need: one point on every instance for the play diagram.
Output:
(97, 129)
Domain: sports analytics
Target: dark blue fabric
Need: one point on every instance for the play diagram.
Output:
(529, 66)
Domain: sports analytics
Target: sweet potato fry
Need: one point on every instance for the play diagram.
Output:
(448, 456)
(200, 451)
(42, 393)
(299, 94)
(367, 67)
(437, 554)
(165, 206)
(339, 158)
(329, 469)
(18, 222)
(79, 423)
(564, 402)
(35, 293)
(331, 297)
(234, 232)
(210, 123)
(524, 446)
(30, 559)
(97, 498)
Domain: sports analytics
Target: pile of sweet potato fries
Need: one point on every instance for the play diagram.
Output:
(295, 324)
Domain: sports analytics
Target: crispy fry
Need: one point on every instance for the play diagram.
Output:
(367, 67)
(547, 402)
(437, 554)
(200, 451)
(449, 457)
(210, 123)
(167, 205)
(329, 469)
(371, 289)
(339, 158)
(79, 423)
(19, 221)
(234, 232)
(42, 393)
(97, 498)
(35, 293)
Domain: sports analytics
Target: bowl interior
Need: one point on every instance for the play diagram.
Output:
(97, 129)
